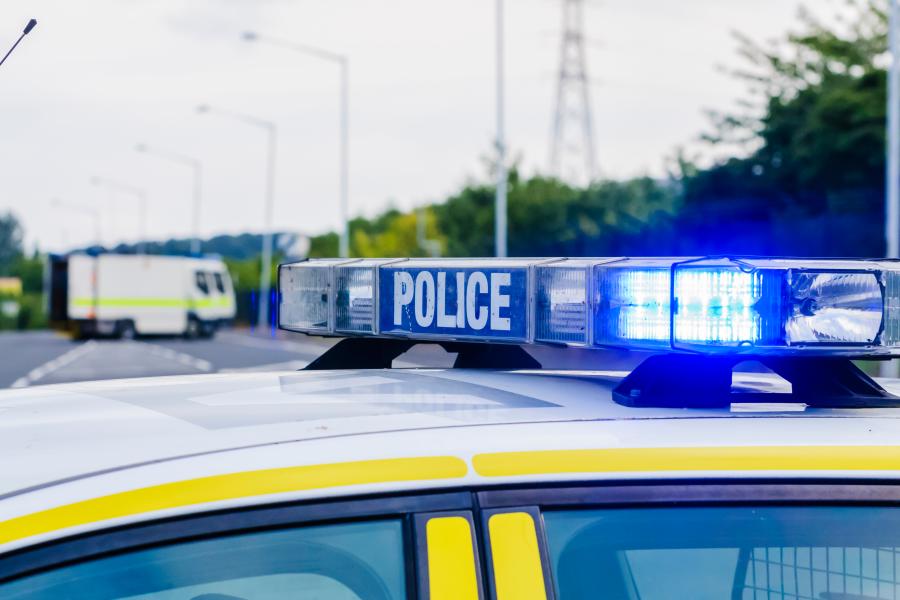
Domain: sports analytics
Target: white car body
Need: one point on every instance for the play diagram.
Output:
(89, 456)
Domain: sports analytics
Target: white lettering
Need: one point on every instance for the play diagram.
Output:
(424, 299)
(460, 300)
(443, 319)
(477, 318)
(403, 294)
(499, 301)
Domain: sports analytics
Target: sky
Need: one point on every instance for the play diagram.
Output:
(97, 77)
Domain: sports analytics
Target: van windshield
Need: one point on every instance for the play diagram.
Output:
(202, 285)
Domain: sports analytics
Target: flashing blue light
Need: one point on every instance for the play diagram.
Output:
(632, 306)
(717, 306)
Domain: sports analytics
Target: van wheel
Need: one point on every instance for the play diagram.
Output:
(125, 331)
(82, 331)
(193, 329)
(207, 331)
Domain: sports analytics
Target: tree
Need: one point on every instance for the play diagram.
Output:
(11, 236)
(30, 269)
(811, 180)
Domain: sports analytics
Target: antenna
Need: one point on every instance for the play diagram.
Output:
(572, 146)
(25, 32)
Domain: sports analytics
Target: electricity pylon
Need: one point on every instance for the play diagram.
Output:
(572, 147)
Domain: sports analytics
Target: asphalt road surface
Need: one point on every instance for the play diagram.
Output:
(44, 357)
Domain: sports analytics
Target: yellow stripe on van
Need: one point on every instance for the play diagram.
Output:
(451, 559)
(230, 487)
(725, 459)
(153, 302)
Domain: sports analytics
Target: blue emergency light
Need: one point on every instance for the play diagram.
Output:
(702, 305)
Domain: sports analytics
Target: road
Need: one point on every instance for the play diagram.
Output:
(44, 357)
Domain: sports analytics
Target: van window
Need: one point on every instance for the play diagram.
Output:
(344, 561)
(220, 283)
(202, 285)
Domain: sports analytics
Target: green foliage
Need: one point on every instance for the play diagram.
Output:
(11, 236)
(245, 273)
(322, 246)
(31, 271)
(812, 128)
(393, 234)
(31, 312)
(546, 217)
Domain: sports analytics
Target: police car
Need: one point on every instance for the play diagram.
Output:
(746, 457)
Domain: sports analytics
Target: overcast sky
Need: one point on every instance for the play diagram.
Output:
(98, 76)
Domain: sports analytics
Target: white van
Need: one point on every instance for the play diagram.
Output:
(125, 295)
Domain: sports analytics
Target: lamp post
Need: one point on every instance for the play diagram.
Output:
(500, 249)
(138, 194)
(197, 169)
(28, 27)
(266, 258)
(892, 172)
(343, 64)
(85, 210)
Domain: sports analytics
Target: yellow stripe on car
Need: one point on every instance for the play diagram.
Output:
(229, 487)
(515, 556)
(451, 559)
(727, 459)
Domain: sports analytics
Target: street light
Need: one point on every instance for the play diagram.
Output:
(892, 217)
(342, 62)
(85, 210)
(889, 368)
(139, 194)
(197, 169)
(500, 198)
(266, 259)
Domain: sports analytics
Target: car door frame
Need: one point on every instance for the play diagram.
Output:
(88, 546)
(477, 504)
(709, 492)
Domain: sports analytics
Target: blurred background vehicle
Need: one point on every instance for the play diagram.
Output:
(125, 296)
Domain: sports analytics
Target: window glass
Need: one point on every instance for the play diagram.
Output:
(715, 553)
(350, 561)
(200, 278)
(220, 283)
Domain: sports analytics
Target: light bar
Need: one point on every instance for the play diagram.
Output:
(705, 305)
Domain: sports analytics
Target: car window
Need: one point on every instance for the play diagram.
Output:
(202, 285)
(823, 552)
(220, 283)
(350, 561)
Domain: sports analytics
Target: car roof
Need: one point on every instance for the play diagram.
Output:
(64, 445)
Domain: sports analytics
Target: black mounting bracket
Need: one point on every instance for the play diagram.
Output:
(703, 381)
(379, 353)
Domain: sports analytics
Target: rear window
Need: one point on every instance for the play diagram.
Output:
(715, 553)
